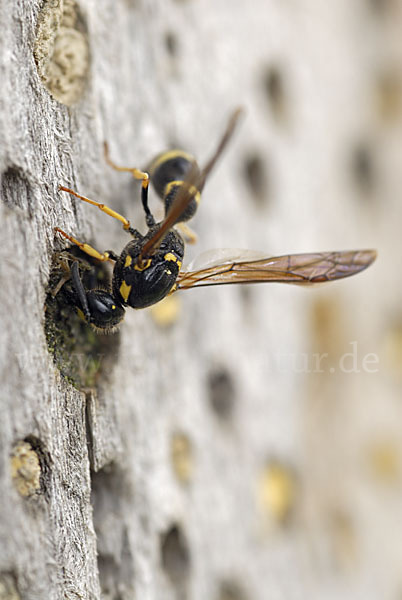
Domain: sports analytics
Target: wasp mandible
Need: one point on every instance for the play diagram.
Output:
(149, 267)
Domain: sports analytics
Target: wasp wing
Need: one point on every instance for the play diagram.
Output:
(194, 180)
(305, 269)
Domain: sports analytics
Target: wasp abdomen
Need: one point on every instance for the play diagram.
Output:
(173, 165)
(168, 171)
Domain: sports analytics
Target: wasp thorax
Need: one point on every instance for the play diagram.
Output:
(140, 282)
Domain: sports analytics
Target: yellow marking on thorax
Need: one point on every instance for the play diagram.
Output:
(128, 261)
(165, 156)
(191, 188)
(171, 257)
(144, 266)
(125, 291)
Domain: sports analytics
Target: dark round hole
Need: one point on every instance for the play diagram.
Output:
(221, 392)
(171, 44)
(256, 177)
(175, 554)
(44, 460)
(363, 167)
(274, 87)
(230, 590)
(381, 6)
(82, 355)
(16, 191)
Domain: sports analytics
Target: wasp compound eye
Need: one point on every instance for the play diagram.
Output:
(105, 312)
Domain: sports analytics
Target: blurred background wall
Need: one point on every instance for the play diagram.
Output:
(307, 501)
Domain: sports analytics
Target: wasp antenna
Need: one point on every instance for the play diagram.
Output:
(231, 126)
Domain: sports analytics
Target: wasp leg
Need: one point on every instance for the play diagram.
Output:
(103, 208)
(137, 174)
(65, 277)
(88, 249)
(112, 255)
(79, 288)
(189, 235)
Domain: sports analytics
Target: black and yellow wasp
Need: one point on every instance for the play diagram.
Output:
(149, 267)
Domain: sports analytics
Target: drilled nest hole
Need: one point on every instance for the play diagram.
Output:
(61, 50)
(85, 357)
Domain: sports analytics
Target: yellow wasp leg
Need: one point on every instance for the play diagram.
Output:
(136, 173)
(86, 247)
(102, 207)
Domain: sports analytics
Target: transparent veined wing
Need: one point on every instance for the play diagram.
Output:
(219, 256)
(304, 269)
